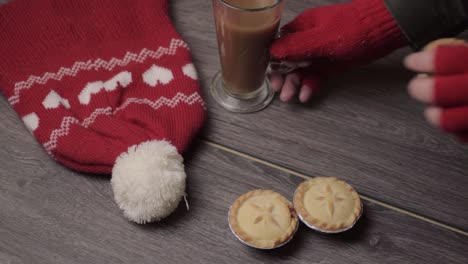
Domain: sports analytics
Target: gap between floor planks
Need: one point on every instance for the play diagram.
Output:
(304, 176)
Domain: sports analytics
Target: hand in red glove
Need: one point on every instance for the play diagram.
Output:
(446, 90)
(331, 39)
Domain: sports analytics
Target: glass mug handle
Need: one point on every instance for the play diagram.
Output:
(285, 67)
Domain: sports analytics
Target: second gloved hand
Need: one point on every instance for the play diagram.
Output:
(446, 90)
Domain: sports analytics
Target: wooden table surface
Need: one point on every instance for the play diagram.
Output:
(365, 130)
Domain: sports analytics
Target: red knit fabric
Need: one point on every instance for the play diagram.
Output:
(451, 59)
(91, 78)
(337, 37)
(451, 88)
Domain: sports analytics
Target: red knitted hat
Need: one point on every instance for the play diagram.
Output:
(105, 86)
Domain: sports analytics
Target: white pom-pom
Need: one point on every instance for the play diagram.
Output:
(148, 181)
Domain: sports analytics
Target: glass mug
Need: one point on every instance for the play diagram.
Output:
(245, 30)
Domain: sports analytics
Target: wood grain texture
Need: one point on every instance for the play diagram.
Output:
(365, 129)
(49, 214)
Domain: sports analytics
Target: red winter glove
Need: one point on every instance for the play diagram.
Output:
(336, 37)
(447, 90)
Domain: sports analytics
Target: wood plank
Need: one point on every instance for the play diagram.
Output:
(366, 129)
(49, 214)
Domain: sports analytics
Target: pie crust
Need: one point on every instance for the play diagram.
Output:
(263, 219)
(327, 204)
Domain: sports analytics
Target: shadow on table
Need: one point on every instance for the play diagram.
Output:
(364, 81)
(174, 219)
(305, 239)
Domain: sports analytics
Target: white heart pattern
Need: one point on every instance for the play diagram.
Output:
(124, 79)
(156, 74)
(31, 121)
(54, 100)
(190, 71)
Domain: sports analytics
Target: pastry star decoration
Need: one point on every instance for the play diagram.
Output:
(265, 214)
(330, 199)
